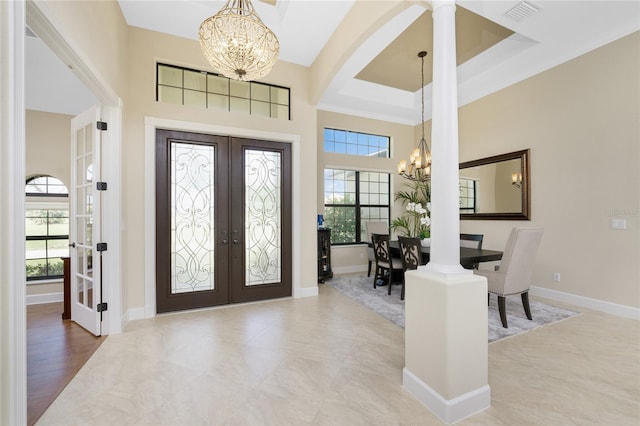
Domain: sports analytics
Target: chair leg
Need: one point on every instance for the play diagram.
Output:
(488, 299)
(525, 303)
(402, 290)
(375, 276)
(503, 311)
(369, 270)
(391, 282)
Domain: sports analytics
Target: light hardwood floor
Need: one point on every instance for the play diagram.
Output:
(56, 350)
(331, 361)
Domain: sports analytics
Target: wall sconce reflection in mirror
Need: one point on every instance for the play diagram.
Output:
(516, 179)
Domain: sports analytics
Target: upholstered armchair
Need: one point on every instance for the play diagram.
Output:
(513, 276)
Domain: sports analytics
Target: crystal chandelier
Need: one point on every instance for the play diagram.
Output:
(419, 168)
(237, 43)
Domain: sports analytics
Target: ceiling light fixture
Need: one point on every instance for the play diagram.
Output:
(419, 168)
(237, 43)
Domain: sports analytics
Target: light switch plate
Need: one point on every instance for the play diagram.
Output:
(618, 224)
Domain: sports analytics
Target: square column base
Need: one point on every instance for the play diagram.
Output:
(446, 343)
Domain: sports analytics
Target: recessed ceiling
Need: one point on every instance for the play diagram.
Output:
(381, 78)
(398, 65)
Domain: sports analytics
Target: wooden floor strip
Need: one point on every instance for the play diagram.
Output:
(56, 350)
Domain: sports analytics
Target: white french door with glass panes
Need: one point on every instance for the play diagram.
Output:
(84, 228)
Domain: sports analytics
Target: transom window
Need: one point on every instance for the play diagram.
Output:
(352, 198)
(46, 228)
(355, 143)
(184, 86)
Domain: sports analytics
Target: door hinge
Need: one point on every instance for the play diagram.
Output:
(102, 307)
(101, 247)
(101, 125)
(101, 186)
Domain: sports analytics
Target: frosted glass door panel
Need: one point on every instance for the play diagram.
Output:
(263, 217)
(192, 217)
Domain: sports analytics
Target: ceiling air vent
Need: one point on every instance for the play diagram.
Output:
(31, 33)
(522, 11)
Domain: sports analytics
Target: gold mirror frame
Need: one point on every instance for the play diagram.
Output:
(525, 192)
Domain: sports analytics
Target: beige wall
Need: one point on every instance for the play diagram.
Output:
(403, 141)
(580, 120)
(48, 145)
(48, 152)
(98, 31)
(145, 48)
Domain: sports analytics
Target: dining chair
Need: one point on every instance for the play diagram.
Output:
(386, 265)
(471, 241)
(410, 255)
(374, 228)
(513, 276)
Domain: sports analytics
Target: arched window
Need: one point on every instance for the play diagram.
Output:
(46, 227)
(45, 186)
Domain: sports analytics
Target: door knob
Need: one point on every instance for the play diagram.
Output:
(72, 245)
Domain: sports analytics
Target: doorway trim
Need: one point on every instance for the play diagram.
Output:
(13, 330)
(150, 126)
(13, 356)
(42, 21)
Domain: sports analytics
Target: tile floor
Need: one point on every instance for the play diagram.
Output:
(330, 361)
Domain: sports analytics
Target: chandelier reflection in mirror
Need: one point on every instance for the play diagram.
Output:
(419, 167)
(237, 43)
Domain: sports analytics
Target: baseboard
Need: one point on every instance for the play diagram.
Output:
(448, 410)
(305, 292)
(587, 302)
(132, 315)
(349, 269)
(38, 299)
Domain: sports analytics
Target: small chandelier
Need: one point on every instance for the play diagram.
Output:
(237, 43)
(419, 168)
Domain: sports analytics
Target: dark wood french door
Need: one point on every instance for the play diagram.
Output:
(223, 220)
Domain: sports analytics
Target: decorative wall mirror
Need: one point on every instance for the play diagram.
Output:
(496, 188)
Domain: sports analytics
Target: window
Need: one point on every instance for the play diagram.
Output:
(467, 195)
(45, 186)
(352, 198)
(46, 228)
(354, 143)
(185, 86)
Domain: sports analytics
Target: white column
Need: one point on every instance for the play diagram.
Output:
(445, 204)
(446, 325)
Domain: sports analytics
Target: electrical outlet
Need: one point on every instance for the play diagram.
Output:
(556, 276)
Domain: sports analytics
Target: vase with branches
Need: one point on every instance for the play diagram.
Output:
(415, 221)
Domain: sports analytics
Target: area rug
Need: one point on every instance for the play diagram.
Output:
(360, 288)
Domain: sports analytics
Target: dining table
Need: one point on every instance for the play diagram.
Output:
(468, 256)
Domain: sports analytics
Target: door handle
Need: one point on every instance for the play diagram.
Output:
(224, 238)
(235, 236)
(72, 245)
